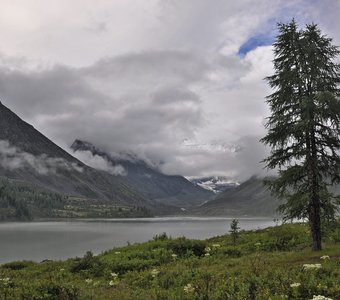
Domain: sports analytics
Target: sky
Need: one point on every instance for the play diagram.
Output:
(178, 83)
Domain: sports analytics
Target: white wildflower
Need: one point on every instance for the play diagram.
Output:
(325, 257)
(295, 284)
(114, 275)
(88, 280)
(112, 283)
(189, 288)
(216, 245)
(154, 273)
(117, 252)
(207, 254)
(311, 266)
(174, 256)
(207, 249)
(320, 297)
(5, 280)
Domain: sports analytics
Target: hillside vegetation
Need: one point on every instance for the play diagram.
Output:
(273, 263)
(21, 201)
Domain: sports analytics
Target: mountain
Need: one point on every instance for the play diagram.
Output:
(31, 150)
(28, 156)
(171, 190)
(251, 198)
(216, 184)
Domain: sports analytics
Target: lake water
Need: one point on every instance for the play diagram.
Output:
(60, 240)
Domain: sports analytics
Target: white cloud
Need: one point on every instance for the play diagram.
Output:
(12, 158)
(99, 163)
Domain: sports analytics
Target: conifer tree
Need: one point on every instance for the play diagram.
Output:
(304, 127)
(234, 230)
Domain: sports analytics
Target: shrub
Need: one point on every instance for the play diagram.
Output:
(161, 237)
(55, 291)
(183, 246)
(89, 263)
(285, 238)
(124, 266)
(233, 252)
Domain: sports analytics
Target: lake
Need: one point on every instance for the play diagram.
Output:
(60, 240)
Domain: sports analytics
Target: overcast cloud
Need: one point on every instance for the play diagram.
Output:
(179, 83)
(100, 163)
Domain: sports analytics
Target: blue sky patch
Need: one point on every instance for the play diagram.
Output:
(254, 42)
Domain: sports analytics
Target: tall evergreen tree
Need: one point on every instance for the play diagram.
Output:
(304, 127)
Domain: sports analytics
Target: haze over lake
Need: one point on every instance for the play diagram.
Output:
(60, 240)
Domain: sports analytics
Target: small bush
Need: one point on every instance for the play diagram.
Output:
(232, 252)
(285, 238)
(124, 266)
(55, 291)
(89, 263)
(182, 246)
(161, 237)
(335, 235)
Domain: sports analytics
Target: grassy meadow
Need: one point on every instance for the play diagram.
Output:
(272, 263)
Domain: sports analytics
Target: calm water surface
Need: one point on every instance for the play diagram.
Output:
(60, 240)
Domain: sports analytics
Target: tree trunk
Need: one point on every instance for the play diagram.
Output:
(315, 208)
(315, 224)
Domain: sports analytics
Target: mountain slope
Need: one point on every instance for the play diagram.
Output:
(165, 189)
(250, 198)
(29, 156)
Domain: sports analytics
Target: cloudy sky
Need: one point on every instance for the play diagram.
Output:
(178, 82)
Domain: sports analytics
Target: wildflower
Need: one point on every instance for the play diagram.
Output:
(325, 257)
(114, 275)
(216, 245)
(257, 244)
(5, 280)
(117, 252)
(112, 283)
(189, 288)
(88, 280)
(295, 284)
(207, 254)
(207, 249)
(174, 256)
(61, 270)
(154, 273)
(311, 266)
(320, 297)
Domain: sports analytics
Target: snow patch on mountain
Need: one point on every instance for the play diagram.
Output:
(216, 184)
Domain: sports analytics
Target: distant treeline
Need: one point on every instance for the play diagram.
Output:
(20, 201)
(25, 202)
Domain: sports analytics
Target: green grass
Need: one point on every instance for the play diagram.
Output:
(262, 265)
